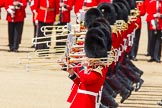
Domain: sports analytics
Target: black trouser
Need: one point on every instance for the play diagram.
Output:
(35, 29)
(41, 34)
(15, 30)
(155, 45)
(149, 39)
(134, 49)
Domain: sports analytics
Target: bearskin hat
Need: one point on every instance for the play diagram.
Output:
(118, 11)
(125, 3)
(108, 12)
(107, 38)
(95, 24)
(103, 25)
(124, 11)
(94, 44)
(91, 15)
(132, 4)
(101, 21)
(104, 22)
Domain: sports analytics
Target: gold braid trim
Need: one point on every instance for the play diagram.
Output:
(98, 70)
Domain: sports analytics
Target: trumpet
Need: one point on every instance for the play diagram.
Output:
(56, 29)
(111, 56)
(47, 42)
(77, 37)
(135, 12)
(101, 61)
(133, 15)
(65, 29)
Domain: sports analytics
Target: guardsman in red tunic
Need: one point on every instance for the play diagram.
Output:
(81, 6)
(64, 18)
(88, 79)
(65, 12)
(141, 12)
(154, 18)
(84, 5)
(15, 17)
(47, 11)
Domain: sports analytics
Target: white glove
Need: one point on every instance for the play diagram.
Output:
(82, 14)
(11, 12)
(89, 1)
(61, 4)
(17, 4)
(32, 3)
(78, 18)
(153, 24)
(157, 15)
(36, 22)
(11, 7)
(63, 7)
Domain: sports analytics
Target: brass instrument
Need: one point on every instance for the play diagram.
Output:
(121, 25)
(65, 29)
(133, 15)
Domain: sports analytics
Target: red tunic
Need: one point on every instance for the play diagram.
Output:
(151, 10)
(87, 81)
(141, 7)
(129, 35)
(116, 40)
(66, 13)
(20, 14)
(47, 10)
(70, 4)
(2, 3)
(32, 2)
(79, 4)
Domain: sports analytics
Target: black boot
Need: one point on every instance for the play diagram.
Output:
(121, 74)
(159, 103)
(118, 86)
(133, 70)
(133, 76)
(128, 61)
(130, 73)
(139, 84)
(109, 89)
(125, 93)
(107, 100)
(125, 83)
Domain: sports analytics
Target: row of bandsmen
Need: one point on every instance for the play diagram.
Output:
(46, 8)
(153, 19)
(45, 13)
(110, 27)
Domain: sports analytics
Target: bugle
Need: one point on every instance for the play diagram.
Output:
(65, 29)
(55, 29)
